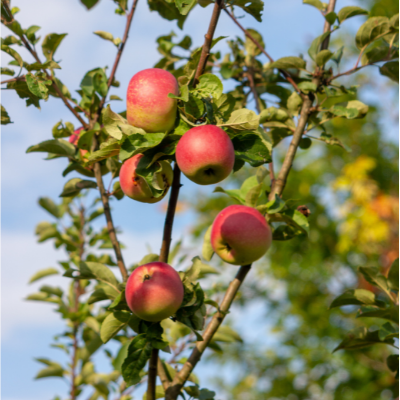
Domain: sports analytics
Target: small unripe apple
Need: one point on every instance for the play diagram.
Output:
(136, 187)
(240, 235)
(205, 154)
(154, 291)
(147, 103)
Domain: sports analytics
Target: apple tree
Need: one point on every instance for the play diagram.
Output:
(274, 109)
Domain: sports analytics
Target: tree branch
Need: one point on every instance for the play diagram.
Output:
(110, 224)
(284, 73)
(182, 376)
(119, 53)
(48, 76)
(280, 182)
(205, 52)
(152, 374)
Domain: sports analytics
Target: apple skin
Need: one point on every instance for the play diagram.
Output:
(135, 187)
(147, 103)
(240, 235)
(154, 291)
(205, 154)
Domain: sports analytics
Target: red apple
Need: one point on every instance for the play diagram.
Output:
(154, 291)
(74, 140)
(240, 235)
(136, 187)
(205, 154)
(148, 105)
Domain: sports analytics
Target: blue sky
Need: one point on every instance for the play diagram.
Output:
(288, 28)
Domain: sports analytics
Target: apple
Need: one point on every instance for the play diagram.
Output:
(205, 154)
(136, 187)
(148, 105)
(74, 140)
(240, 235)
(154, 291)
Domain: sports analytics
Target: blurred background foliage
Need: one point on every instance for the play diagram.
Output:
(353, 199)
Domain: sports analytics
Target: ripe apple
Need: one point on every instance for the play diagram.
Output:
(136, 187)
(148, 105)
(154, 291)
(205, 154)
(240, 235)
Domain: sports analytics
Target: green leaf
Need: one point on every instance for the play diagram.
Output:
(276, 205)
(331, 17)
(13, 54)
(372, 29)
(104, 35)
(316, 3)
(226, 334)
(50, 44)
(100, 272)
(207, 250)
(209, 86)
(89, 3)
(374, 277)
(113, 323)
(390, 313)
(38, 66)
(51, 371)
(56, 146)
(160, 393)
(184, 6)
(252, 7)
(243, 119)
(393, 363)
(288, 62)
(375, 53)
(350, 110)
(254, 148)
(354, 297)
(5, 118)
(233, 193)
(42, 274)
(360, 338)
(107, 149)
(139, 352)
(250, 47)
(323, 57)
(138, 143)
(393, 277)
(7, 71)
(37, 85)
(316, 44)
(350, 11)
(307, 87)
(206, 394)
(294, 103)
(104, 292)
(74, 186)
(391, 70)
(388, 331)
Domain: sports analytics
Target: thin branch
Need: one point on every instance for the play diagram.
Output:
(48, 76)
(182, 376)
(110, 224)
(162, 374)
(19, 78)
(119, 53)
(280, 182)
(169, 217)
(152, 374)
(284, 73)
(205, 52)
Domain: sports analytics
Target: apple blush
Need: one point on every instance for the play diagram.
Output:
(205, 154)
(240, 235)
(147, 103)
(154, 291)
